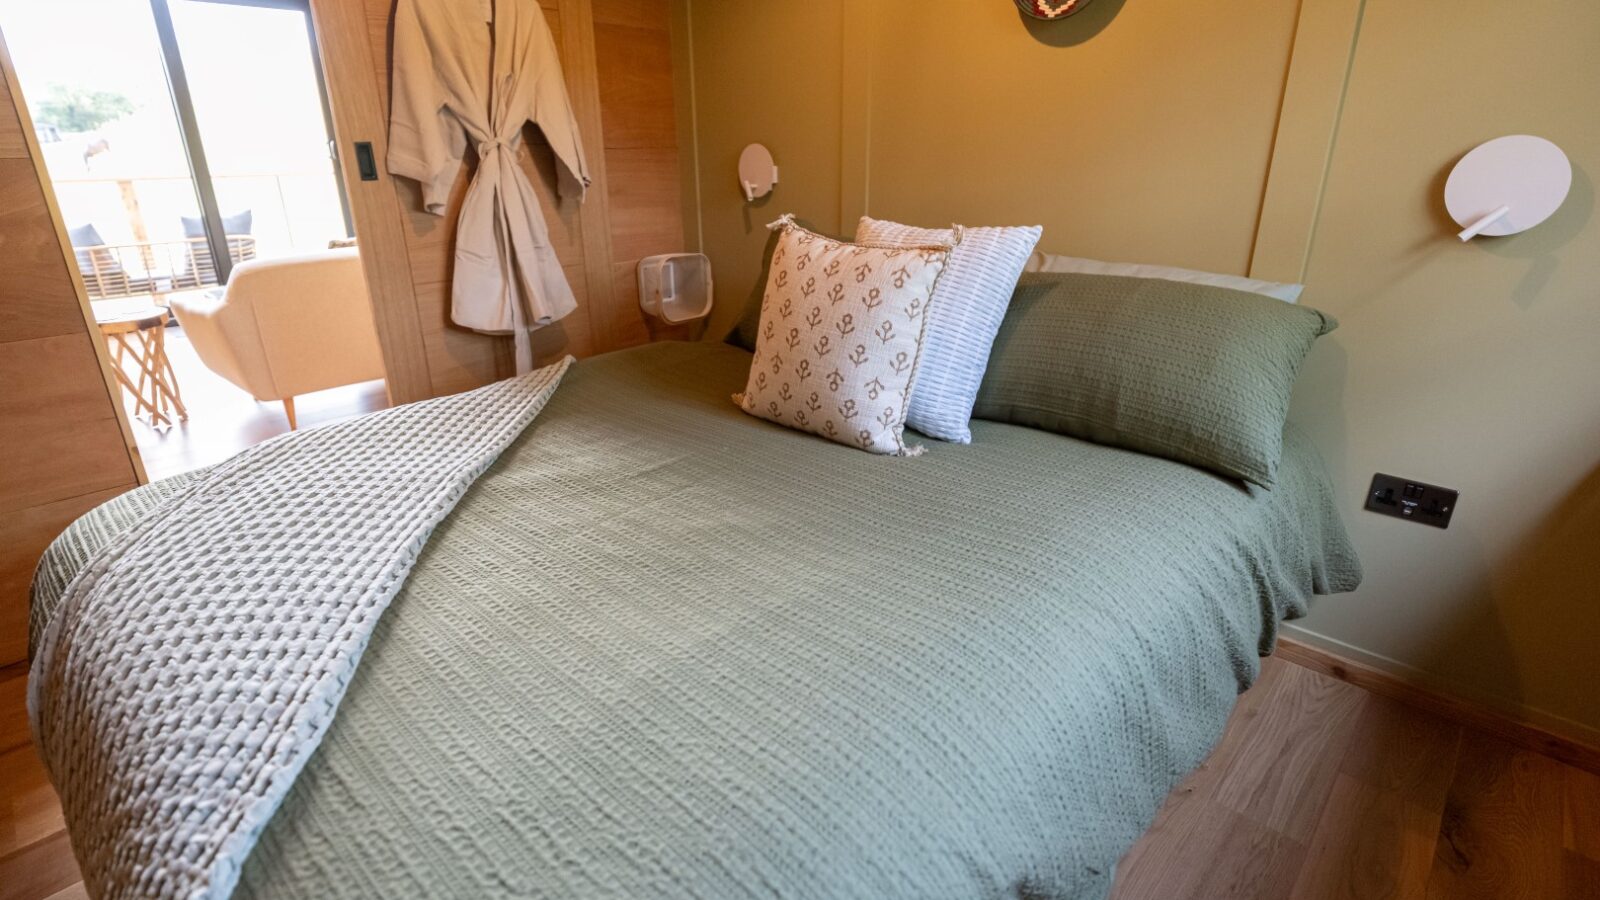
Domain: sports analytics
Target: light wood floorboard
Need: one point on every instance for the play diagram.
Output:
(1318, 790)
(224, 419)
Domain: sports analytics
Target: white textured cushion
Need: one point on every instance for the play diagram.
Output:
(1049, 262)
(968, 306)
(841, 331)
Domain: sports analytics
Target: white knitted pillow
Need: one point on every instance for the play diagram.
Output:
(841, 332)
(972, 299)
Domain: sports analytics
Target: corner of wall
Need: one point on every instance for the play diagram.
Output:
(682, 28)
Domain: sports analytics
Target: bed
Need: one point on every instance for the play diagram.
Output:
(664, 649)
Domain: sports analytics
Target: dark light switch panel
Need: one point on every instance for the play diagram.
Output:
(1406, 498)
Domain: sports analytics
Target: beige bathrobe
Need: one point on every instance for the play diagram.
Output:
(479, 70)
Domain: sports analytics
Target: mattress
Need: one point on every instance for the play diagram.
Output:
(664, 649)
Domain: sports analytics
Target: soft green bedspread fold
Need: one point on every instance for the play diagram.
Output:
(662, 649)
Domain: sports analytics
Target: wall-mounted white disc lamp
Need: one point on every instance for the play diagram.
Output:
(1507, 185)
(757, 172)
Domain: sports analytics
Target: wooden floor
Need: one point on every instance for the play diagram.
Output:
(1318, 790)
(223, 419)
(1322, 790)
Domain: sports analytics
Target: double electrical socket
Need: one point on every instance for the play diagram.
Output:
(1417, 501)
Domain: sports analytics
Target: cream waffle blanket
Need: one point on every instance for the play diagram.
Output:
(196, 662)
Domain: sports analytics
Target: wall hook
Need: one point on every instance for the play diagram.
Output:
(757, 172)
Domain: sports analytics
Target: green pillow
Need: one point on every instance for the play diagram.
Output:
(1191, 372)
(744, 331)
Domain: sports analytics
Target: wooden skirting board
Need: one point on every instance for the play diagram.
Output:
(1572, 750)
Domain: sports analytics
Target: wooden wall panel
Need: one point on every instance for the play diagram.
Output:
(57, 457)
(12, 145)
(644, 202)
(633, 68)
(638, 13)
(33, 272)
(634, 65)
(50, 378)
(66, 446)
(24, 536)
(617, 60)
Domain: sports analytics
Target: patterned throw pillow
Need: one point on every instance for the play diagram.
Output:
(840, 336)
(972, 299)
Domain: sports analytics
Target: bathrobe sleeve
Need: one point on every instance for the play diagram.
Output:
(552, 112)
(426, 143)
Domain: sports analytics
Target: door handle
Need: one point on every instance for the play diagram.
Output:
(366, 163)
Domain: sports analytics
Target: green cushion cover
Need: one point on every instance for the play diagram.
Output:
(744, 331)
(1190, 372)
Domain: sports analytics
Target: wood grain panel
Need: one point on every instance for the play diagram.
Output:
(40, 869)
(36, 293)
(52, 377)
(1580, 875)
(68, 444)
(1501, 832)
(22, 771)
(629, 326)
(1283, 774)
(62, 459)
(458, 359)
(634, 68)
(12, 143)
(1384, 812)
(573, 334)
(25, 534)
(645, 202)
(1577, 747)
(578, 53)
(1580, 825)
(360, 113)
(1401, 750)
(14, 730)
(636, 13)
(1370, 843)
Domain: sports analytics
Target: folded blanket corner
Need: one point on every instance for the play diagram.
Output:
(221, 662)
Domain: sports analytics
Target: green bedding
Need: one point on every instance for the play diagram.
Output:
(662, 649)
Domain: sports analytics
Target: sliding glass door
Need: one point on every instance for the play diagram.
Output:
(252, 85)
(92, 75)
(182, 136)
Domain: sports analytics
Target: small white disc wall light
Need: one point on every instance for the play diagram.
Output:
(757, 172)
(1507, 185)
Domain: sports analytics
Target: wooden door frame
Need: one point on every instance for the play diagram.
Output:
(344, 43)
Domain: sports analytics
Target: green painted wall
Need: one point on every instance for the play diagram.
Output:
(1146, 131)
(1475, 366)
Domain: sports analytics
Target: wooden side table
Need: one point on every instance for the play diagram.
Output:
(140, 335)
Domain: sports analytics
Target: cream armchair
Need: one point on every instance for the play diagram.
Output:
(287, 326)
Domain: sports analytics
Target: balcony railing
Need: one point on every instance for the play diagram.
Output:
(293, 211)
(155, 267)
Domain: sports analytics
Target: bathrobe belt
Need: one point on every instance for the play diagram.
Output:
(520, 286)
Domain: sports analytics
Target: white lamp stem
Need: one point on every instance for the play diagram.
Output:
(1476, 228)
